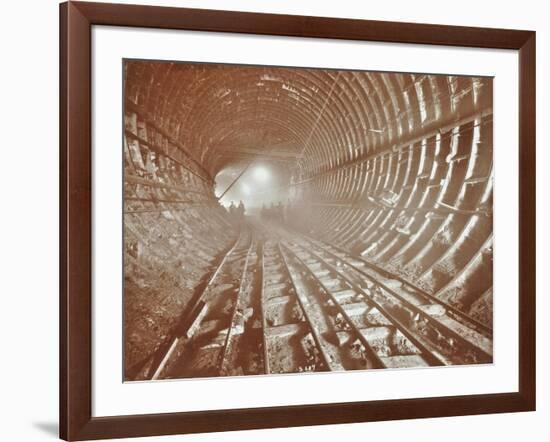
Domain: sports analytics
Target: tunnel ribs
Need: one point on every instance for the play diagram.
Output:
(168, 146)
(165, 204)
(394, 247)
(392, 172)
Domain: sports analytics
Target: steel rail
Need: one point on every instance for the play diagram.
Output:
(370, 351)
(262, 309)
(224, 355)
(176, 336)
(316, 336)
(430, 355)
(485, 356)
(458, 315)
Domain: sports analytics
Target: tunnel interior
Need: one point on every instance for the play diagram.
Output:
(395, 169)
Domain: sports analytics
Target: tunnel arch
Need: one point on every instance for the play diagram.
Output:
(396, 168)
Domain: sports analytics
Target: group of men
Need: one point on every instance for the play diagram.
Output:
(236, 212)
(275, 212)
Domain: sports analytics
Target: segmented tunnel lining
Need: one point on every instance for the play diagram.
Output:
(395, 168)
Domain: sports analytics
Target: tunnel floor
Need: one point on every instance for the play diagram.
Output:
(278, 301)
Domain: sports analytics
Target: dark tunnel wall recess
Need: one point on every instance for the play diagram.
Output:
(391, 173)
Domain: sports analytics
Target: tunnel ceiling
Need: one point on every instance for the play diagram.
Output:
(311, 119)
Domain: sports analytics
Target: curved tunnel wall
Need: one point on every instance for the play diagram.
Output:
(394, 167)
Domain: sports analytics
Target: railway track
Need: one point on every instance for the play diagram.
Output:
(206, 343)
(439, 338)
(284, 303)
(307, 314)
(379, 273)
(292, 341)
(242, 352)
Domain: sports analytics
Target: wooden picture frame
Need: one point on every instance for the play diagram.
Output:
(76, 421)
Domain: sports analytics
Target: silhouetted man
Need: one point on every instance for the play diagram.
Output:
(240, 209)
(232, 210)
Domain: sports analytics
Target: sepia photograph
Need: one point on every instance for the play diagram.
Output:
(290, 220)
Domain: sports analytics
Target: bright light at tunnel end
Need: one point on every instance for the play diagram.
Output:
(261, 174)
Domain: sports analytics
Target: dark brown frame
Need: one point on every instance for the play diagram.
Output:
(76, 421)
